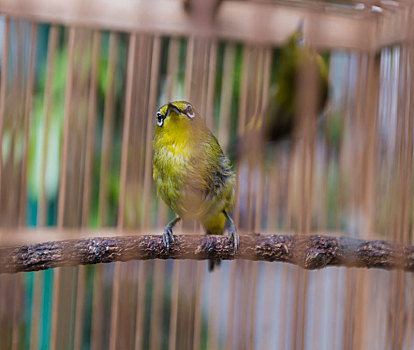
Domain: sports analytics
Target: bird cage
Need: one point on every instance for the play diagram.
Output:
(81, 264)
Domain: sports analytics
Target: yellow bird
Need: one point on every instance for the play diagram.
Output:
(191, 173)
(279, 119)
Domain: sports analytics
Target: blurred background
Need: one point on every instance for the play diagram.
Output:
(80, 82)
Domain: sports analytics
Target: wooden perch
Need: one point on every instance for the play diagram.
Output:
(310, 252)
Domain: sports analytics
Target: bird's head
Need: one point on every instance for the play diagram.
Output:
(175, 112)
(296, 43)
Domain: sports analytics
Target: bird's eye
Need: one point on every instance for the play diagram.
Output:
(189, 112)
(160, 119)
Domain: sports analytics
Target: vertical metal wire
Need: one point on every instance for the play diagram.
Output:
(97, 309)
(23, 180)
(408, 112)
(196, 86)
(343, 111)
(140, 311)
(262, 83)
(159, 266)
(333, 162)
(371, 110)
(254, 172)
(405, 164)
(211, 84)
(191, 42)
(79, 317)
(223, 135)
(309, 178)
(152, 100)
(125, 141)
(140, 127)
(172, 339)
(157, 305)
(48, 100)
(3, 87)
(153, 87)
(28, 110)
(226, 95)
(200, 270)
(36, 307)
(358, 283)
(240, 130)
(91, 127)
(400, 148)
(13, 123)
(18, 306)
(127, 119)
(172, 67)
(198, 307)
(146, 121)
(362, 278)
(409, 237)
(38, 278)
(385, 116)
(62, 185)
(79, 313)
(188, 279)
(388, 109)
(213, 321)
(108, 125)
(106, 144)
(241, 121)
(65, 140)
(351, 273)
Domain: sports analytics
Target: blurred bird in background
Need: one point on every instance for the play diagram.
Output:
(191, 173)
(279, 120)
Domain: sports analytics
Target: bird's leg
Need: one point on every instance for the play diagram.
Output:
(233, 235)
(167, 235)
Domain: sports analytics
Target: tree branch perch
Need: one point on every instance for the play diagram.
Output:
(309, 252)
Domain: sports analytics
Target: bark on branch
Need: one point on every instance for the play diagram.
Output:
(310, 252)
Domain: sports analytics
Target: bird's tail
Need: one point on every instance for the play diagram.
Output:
(212, 263)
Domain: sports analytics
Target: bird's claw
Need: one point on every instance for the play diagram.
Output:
(167, 237)
(233, 237)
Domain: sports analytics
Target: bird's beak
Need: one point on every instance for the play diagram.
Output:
(171, 107)
(300, 25)
(301, 37)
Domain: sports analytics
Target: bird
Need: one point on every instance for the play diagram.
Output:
(192, 174)
(278, 121)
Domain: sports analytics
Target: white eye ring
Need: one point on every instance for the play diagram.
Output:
(160, 119)
(189, 112)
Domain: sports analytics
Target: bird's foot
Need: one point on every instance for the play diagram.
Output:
(212, 263)
(233, 237)
(167, 235)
